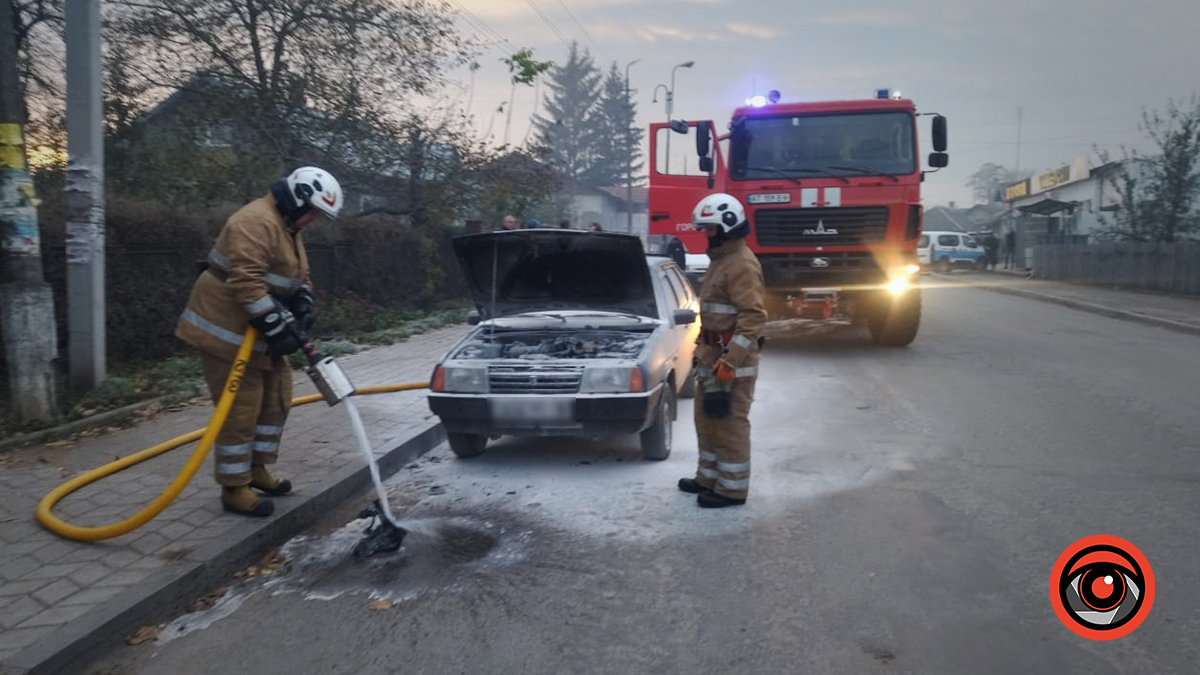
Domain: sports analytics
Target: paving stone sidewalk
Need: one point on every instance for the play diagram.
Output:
(56, 594)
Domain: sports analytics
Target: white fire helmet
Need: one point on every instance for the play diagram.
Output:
(315, 187)
(719, 209)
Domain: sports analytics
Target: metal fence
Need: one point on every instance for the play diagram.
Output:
(1170, 268)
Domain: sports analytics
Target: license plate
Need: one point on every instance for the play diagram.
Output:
(770, 198)
(533, 410)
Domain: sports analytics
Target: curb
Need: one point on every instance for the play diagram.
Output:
(68, 429)
(167, 593)
(1133, 317)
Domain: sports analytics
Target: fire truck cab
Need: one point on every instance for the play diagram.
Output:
(832, 190)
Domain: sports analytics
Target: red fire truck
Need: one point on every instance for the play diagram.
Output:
(833, 193)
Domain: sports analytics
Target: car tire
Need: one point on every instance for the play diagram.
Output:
(943, 265)
(688, 390)
(656, 438)
(466, 446)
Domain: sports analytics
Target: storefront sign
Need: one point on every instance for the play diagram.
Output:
(1054, 177)
(1016, 190)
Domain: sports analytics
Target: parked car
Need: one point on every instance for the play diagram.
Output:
(943, 251)
(576, 334)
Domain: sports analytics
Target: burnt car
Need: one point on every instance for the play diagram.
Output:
(576, 334)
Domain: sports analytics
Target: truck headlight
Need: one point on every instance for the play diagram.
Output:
(464, 380)
(609, 380)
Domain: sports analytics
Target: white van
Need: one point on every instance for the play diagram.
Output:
(943, 251)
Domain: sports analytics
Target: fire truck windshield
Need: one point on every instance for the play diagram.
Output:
(839, 145)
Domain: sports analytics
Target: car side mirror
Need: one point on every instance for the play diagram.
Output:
(684, 317)
(473, 317)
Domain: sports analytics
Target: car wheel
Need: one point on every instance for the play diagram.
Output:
(688, 390)
(466, 446)
(656, 439)
(943, 265)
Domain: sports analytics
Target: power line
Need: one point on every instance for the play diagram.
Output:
(585, 32)
(483, 27)
(548, 22)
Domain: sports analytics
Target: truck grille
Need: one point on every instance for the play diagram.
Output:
(801, 270)
(526, 380)
(836, 226)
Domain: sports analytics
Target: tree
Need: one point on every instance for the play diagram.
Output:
(618, 141)
(987, 184)
(305, 77)
(1158, 193)
(566, 135)
(522, 69)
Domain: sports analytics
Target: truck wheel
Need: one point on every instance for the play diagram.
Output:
(895, 321)
(656, 439)
(466, 446)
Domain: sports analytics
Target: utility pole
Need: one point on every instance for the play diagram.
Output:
(1017, 168)
(628, 167)
(26, 300)
(85, 195)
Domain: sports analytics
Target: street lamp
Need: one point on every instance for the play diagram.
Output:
(628, 166)
(670, 96)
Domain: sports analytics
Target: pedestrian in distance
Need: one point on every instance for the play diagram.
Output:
(257, 274)
(595, 227)
(533, 224)
(732, 318)
(1010, 249)
(991, 248)
(510, 223)
(564, 224)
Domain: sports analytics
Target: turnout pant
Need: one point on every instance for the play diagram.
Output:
(253, 428)
(724, 444)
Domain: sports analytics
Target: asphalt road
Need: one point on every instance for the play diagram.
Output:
(906, 508)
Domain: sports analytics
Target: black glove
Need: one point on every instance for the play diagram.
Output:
(304, 307)
(279, 328)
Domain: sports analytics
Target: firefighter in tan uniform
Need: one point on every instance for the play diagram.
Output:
(257, 275)
(727, 352)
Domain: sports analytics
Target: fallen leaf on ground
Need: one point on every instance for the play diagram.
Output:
(207, 601)
(380, 605)
(144, 634)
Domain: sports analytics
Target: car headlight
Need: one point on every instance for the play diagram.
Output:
(462, 380)
(608, 380)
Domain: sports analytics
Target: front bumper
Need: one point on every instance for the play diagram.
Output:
(589, 414)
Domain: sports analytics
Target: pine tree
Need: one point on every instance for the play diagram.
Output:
(618, 142)
(565, 136)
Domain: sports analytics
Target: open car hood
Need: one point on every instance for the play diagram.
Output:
(539, 270)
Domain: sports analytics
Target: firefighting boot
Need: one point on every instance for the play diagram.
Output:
(241, 499)
(264, 482)
(714, 500)
(691, 486)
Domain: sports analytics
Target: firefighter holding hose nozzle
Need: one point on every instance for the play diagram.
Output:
(732, 318)
(257, 275)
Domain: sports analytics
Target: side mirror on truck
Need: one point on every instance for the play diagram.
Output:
(703, 140)
(939, 134)
(939, 160)
(679, 126)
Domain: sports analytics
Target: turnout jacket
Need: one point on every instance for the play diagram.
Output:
(732, 316)
(254, 258)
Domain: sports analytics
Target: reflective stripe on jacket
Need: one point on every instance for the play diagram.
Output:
(255, 257)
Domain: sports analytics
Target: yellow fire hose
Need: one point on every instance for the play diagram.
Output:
(207, 436)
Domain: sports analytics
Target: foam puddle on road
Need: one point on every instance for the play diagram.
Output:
(437, 554)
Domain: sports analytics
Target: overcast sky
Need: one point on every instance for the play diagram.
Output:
(1081, 71)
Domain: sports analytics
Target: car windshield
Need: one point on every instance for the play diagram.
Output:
(839, 145)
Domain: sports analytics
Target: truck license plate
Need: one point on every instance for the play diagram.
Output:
(535, 410)
(770, 198)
